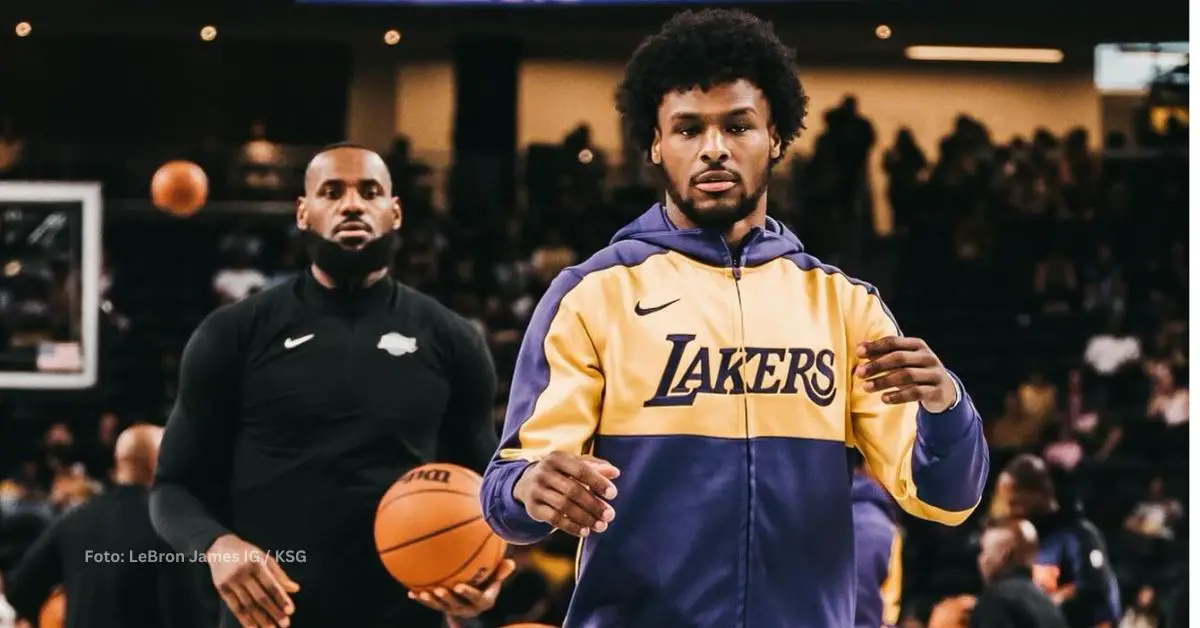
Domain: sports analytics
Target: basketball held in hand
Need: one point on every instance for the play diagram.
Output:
(430, 532)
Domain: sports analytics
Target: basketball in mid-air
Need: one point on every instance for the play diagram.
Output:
(430, 532)
(179, 188)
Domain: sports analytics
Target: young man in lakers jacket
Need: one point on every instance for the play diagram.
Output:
(683, 400)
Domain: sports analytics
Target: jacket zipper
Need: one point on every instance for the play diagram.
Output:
(737, 260)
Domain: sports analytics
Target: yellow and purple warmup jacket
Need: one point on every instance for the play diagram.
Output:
(720, 383)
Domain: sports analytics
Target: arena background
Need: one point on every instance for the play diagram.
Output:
(1050, 197)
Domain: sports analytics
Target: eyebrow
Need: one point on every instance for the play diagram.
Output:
(692, 115)
(356, 183)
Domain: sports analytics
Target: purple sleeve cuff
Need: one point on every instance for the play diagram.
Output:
(950, 460)
(505, 515)
(941, 431)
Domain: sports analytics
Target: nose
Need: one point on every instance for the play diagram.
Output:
(352, 204)
(713, 151)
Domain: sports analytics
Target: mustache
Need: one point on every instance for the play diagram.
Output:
(353, 223)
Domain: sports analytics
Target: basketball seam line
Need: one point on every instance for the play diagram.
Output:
(425, 490)
(430, 535)
(486, 537)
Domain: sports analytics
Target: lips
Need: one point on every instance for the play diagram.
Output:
(352, 226)
(715, 181)
(716, 176)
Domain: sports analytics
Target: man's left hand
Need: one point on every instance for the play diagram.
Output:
(908, 370)
(464, 600)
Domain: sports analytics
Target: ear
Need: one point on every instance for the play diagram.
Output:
(397, 214)
(301, 214)
(776, 145)
(656, 148)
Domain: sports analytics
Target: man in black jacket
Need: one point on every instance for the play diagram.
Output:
(1071, 551)
(114, 569)
(299, 407)
(1011, 599)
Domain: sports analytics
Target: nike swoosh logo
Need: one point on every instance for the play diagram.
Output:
(642, 311)
(292, 343)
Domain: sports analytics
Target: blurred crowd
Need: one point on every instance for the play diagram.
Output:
(1051, 277)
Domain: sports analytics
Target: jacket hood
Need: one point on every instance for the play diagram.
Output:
(762, 245)
(867, 490)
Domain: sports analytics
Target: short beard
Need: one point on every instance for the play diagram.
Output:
(349, 268)
(721, 218)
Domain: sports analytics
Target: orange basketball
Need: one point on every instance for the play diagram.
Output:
(528, 626)
(430, 532)
(179, 188)
(54, 610)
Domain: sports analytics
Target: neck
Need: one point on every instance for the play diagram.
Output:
(325, 280)
(132, 477)
(735, 233)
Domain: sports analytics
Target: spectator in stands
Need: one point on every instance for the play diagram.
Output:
(72, 487)
(1039, 400)
(8, 616)
(59, 448)
(1065, 452)
(1109, 354)
(12, 149)
(1104, 284)
(97, 454)
(259, 163)
(1015, 429)
(1168, 400)
(551, 257)
(1071, 547)
(1011, 599)
(1055, 284)
(974, 238)
(905, 166)
(1145, 612)
(238, 280)
(1155, 517)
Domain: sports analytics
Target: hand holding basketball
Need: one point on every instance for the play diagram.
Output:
(465, 600)
(569, 492)
(251, 583)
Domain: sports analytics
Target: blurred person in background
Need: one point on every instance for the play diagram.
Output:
(1010, 598)
(8, 615)
(1015, 429)
(1145, 612)
(1072, 557)
(113, 566)
(877, 550)
(296, 462)
(239, 279)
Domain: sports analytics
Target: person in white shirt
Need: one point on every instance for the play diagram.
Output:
(1110, 350)
(8, 616)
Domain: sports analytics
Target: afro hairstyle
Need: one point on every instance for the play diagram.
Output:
(706, 48)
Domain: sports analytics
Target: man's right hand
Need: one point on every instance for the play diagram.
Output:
(252, 584)
(569, 492)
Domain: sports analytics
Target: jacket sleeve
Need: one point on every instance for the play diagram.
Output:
(934, 465)
(192, 477)
(554, 404)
